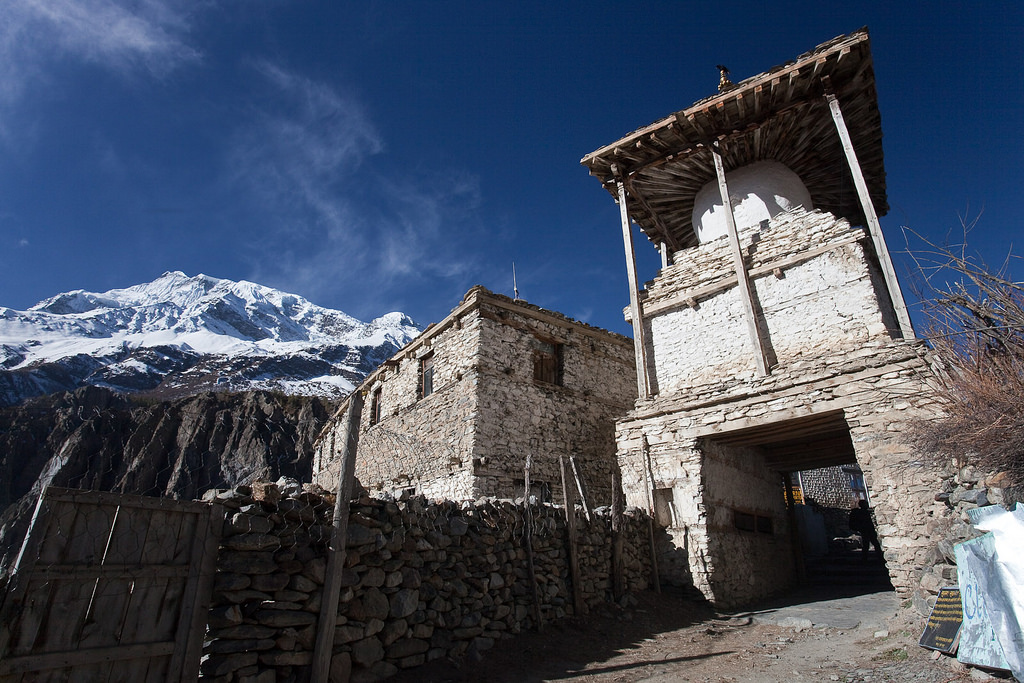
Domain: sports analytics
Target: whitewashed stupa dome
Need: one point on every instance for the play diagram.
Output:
(757, 191)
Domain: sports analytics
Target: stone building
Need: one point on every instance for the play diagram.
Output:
(774, 339)
(458, 411)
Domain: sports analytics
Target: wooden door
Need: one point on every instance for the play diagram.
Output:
(110, 587)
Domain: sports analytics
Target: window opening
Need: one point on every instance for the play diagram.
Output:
(750, 521)
(426, 376)
(375, 407)
(547, 362)
(664, 508)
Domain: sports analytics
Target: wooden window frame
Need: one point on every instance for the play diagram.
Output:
(547, 362)
(426, 375)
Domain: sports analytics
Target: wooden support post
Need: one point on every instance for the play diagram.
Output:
(579, 608)
(888, 272)
(643, 384)
(324, 648)
(581, 486)
(646, 452)
(664, 255)
(794, 531)
(742, 278)
(618, 504)
(528, 544)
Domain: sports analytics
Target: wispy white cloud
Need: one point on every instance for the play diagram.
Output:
(122, 35)
(333, 219)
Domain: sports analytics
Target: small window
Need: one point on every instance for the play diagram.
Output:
(547, 362)
(749, 521)
(426, 376)
(664, 508)
(375, 407)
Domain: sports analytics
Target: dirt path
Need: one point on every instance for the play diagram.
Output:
(663, 638)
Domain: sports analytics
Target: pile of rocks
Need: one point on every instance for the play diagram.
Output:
(421, 580)
(963, 489)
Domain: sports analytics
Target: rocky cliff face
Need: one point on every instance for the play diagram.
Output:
(94, 438)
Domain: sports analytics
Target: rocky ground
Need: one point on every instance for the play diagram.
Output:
(671, 637)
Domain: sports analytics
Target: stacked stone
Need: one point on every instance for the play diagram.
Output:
(270, 571)
(421, 580)
(963, 489)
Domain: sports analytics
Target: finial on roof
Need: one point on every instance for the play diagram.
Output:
(724, 83)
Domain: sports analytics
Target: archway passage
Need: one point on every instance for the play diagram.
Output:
(819, 476)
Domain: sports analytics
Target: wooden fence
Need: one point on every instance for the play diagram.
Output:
(110, 587)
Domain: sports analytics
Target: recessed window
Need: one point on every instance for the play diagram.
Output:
(664, 508)
(375, 407)
(753, 522)
(426, 376)
(547, 362)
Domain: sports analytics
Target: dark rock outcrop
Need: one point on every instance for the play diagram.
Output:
(94, 438)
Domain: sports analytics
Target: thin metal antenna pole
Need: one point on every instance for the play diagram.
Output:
(515, 287)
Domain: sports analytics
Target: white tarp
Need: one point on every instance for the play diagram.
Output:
(995, 571)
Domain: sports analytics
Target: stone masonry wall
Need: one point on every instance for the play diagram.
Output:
(879, 388)
(421, 581)
(814, 286)
(519, 415)
(472, 434)
(423, 443)
(737, 481)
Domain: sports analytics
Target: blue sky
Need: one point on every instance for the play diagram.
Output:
(385, 156)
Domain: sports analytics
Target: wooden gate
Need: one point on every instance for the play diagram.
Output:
(110, 587)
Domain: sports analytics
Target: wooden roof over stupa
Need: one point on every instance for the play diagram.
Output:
(781, 115)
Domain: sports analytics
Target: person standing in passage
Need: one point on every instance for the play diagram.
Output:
(861, 522)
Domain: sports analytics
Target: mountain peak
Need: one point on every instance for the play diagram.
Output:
(182, 333)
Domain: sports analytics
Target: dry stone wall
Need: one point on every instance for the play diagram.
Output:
(487, 412)
(519, 415)
(421, 580)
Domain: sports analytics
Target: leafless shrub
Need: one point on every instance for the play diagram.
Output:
(975, 325)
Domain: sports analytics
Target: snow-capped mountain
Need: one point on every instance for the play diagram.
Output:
(179, 335)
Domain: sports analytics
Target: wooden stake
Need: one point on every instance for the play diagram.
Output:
(528, 543)
(898, 303)
(618, 568)
(570, 529)
(639, 343)
(645, 450)
(324, 649)
(581, 486)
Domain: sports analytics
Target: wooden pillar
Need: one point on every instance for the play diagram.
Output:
(895, 293)
(663, 249)
(643, 384)
(742, 279)
(618, 505)
(645, 450)
(324, 648)
(531, 568)
(570, 530)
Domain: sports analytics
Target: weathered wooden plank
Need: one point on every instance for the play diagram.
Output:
(531, 569)
(85, 572)
(60, 660)
(324, 647)
(79, 497)
(71, 599)
(579, 607)
(12, 618)
(882, 251)
(753, 330)
(643, 383)
(198, 593)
